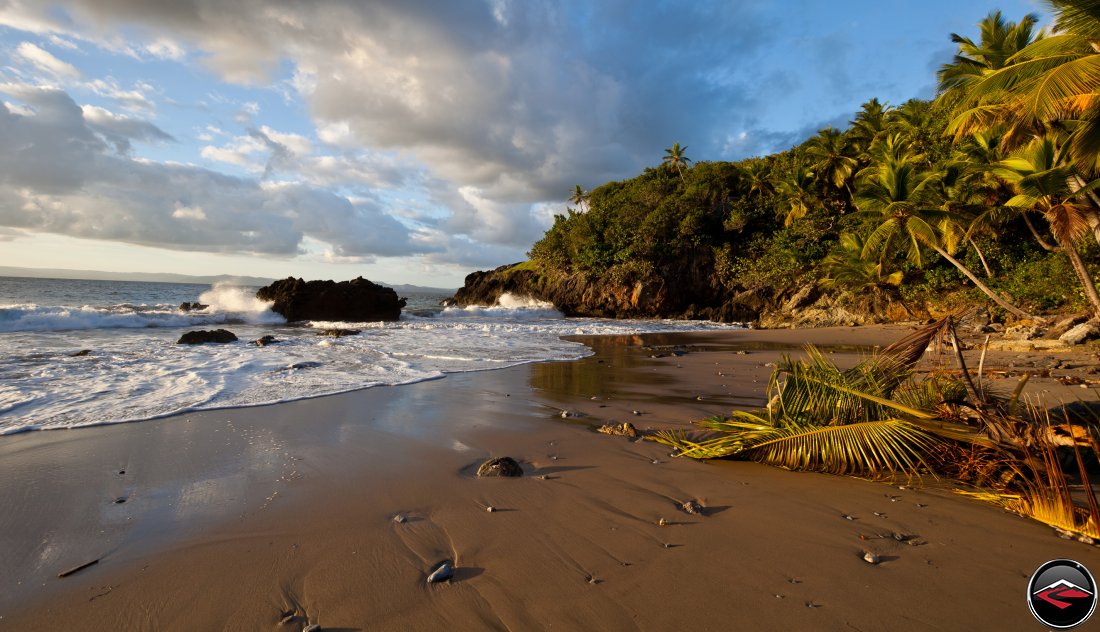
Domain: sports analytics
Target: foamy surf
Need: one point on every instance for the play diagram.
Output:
(133, 370)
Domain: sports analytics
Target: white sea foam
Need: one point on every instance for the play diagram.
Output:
(226, 305)
(136, 371)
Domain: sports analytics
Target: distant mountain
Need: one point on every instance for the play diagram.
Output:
(403, 288)
(166, 277)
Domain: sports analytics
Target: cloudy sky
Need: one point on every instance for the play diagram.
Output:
(408, 141)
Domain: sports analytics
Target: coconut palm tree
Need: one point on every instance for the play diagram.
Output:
(798, 191)
(902, 200)
(868, 125)
(757, 176)
(579, 197)
(1039, 173)
(1052, 82)
(999, 40)
(832, 159)
(674, 157)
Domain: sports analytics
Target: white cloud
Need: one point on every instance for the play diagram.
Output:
(189, 212)
(58, 175)
(43, 60)
(135, 100)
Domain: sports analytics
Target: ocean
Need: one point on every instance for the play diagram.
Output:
(82, 352)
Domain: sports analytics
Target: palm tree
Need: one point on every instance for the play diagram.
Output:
(999, 41)
(798, 190)
(757, 175)
(674, 157)
(845, 267)
(901, 197)
(579, 197)
(1039, 173)
(1053, 81)
(831, 153)
(868, 125)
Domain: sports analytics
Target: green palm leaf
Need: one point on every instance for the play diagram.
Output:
(867, 448)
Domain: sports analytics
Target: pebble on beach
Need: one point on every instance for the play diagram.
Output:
(442, 573)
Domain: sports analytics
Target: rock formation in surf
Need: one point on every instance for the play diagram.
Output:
(357, 300)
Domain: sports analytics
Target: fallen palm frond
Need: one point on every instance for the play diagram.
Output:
(877, 419)
(868, 447)
(825, 419)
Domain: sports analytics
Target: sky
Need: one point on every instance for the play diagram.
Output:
(410, 141)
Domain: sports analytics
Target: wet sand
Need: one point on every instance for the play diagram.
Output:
(238, 519)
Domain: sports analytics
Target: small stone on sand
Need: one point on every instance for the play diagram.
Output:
(871, 558)
(444, 572)
(692, 507)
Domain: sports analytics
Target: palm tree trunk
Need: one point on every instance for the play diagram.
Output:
(1038, 237)
(981, 257)
(1015, 311)
(1083, 275)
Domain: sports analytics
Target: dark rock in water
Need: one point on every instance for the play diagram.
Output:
(442, 573)
(203, 336)
(80, 354)
(500, 466)
(625, 429)
(304, 365)
(192, 307)
(357, 300)
(338, 333)
(264, 341)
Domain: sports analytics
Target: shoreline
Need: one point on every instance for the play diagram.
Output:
(233, 517)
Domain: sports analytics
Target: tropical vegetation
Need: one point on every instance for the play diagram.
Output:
(987, 192)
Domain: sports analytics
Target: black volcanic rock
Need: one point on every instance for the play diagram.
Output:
(191, 307)
(200, 337)
(357, 300)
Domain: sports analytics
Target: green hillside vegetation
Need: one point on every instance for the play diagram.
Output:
(987, 192)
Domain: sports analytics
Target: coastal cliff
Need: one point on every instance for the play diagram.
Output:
(685, 292)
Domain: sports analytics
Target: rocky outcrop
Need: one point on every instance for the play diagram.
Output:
(220, 336)
(357, 300)
(690, 291)
(192, 307)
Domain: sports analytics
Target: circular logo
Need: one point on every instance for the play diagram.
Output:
(1062, 594)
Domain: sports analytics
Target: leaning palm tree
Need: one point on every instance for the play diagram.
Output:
(902, 201)
(1040, 173)
(675, 158)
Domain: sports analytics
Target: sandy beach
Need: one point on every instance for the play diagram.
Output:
(276, 517)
